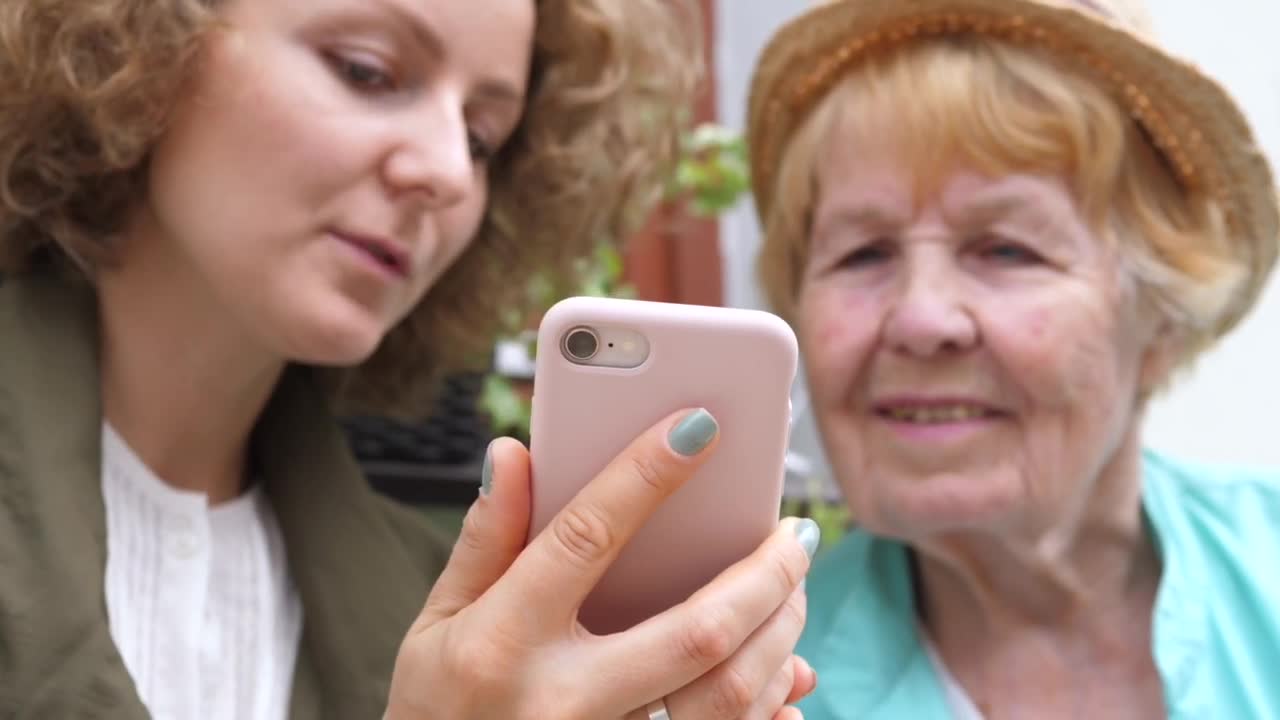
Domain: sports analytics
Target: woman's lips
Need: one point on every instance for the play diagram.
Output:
(938, 418)
(387, 255)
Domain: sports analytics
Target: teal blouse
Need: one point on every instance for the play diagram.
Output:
(1216, 631)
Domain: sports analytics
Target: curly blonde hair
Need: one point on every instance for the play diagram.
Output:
(86, 89)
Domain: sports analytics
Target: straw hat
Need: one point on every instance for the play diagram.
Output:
(1188, 116)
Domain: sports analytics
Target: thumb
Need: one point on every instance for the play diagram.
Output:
(493, 533)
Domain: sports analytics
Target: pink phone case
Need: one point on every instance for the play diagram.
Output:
(739, 364)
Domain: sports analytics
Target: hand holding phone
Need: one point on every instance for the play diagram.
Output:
(499, 637)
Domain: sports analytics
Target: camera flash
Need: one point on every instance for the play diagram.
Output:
(628, 345)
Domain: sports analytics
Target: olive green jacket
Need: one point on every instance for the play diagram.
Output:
(362, 564)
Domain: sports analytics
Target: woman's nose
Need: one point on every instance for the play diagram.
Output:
(928, 315)
(431, 158)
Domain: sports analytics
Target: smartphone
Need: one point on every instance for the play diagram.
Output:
(605, 371)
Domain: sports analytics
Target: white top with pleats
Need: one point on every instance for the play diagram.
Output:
(199, 598)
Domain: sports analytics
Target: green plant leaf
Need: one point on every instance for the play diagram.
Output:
(508, 411)
(710, 177)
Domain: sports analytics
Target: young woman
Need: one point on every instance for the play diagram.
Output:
(219, 220)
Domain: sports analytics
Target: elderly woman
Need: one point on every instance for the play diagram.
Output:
(222, 220)
(1000, 227)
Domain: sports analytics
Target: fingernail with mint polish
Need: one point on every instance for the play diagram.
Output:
(486, 473)
(809, 535)
(694, 433)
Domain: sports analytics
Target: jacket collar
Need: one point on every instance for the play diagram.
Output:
(359, 587)
(62, 662)
(869, 652)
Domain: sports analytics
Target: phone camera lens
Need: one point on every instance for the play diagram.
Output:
(581, 344)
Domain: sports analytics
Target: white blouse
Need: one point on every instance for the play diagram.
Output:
(199, 598)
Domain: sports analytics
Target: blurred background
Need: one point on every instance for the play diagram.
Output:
(700, 247)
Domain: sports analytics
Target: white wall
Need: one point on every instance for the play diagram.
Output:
(1223, 411)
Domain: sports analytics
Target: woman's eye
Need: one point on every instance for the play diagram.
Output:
(363, 75)
(481, 151)
(1010, 253)
(869, 254)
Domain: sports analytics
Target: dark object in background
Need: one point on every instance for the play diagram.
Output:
(433, 462)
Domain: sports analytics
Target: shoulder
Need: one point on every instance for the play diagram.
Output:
(1199, 499)
(1216, 529)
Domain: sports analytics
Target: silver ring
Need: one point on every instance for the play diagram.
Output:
(658, 710)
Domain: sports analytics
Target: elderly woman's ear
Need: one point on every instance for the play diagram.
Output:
(1165, 353)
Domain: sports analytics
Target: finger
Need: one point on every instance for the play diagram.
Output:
(566, 560)
(493, 533)
(788, 713)
(663, 653)
(774, 697)
(806, 680)
(747, 684)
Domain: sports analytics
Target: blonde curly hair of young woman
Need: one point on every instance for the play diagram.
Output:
(86, 87)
